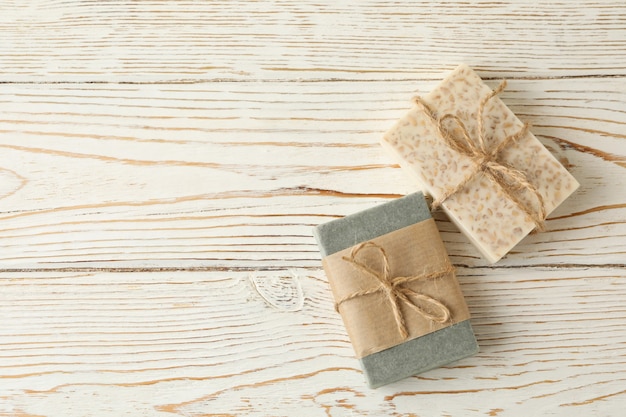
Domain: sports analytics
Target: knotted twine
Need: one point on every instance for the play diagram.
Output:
(510, 180)
(394, 290)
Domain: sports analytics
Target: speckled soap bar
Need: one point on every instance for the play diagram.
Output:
(418, 354)
(481, 210)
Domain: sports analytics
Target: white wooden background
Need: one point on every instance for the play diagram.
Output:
(162, 164)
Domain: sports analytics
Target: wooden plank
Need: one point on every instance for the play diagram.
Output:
(208, 343)
(234, 175)
(190, 41)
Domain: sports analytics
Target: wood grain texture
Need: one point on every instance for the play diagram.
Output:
(235, 175)
(184, 41)
(206, 344)
(162, 164)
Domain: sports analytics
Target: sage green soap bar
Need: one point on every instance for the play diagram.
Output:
(417, 355)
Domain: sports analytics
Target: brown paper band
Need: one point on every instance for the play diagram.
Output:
(395, 287)
(485, 160)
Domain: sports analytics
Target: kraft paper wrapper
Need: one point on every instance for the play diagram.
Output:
(414, 250)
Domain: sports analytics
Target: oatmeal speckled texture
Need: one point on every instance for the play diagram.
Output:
(482, 211)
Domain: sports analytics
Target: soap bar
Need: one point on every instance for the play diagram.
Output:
(496, 190)
(402, 235)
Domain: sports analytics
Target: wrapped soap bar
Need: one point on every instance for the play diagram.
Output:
(396, 290)
(477, 160)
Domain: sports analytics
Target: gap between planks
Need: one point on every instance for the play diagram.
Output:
(278, 269)
(302, 80)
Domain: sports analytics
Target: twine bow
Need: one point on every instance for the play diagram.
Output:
(394, 290)
(485, 161)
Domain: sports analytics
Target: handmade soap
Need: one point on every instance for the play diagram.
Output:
(396, 290)
(477, 160)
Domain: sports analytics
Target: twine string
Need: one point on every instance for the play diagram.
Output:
(510, 180)
(394, 290)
